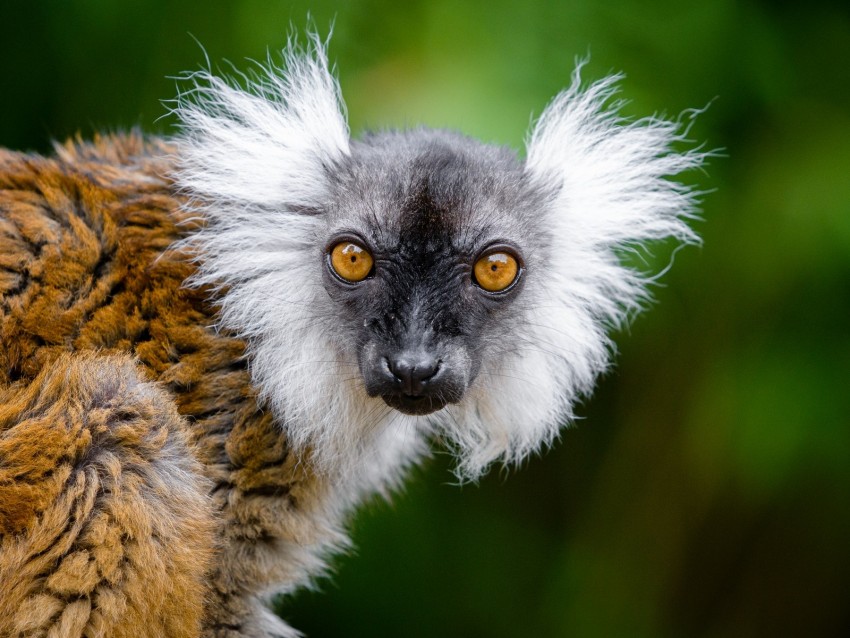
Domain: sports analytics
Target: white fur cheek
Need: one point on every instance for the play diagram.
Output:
(511, 410)
(518, 403)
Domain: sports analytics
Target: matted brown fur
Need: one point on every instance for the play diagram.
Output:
(142, 490)
(105, 520)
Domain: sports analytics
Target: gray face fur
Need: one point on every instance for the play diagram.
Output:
(427, 204)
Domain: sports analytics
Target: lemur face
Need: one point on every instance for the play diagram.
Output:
(427, 253)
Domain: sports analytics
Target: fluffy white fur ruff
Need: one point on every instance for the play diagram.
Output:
(611, 194)
(254, 162)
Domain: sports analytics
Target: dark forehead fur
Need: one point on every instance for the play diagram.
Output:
(436, 188)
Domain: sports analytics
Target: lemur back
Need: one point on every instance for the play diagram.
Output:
(110, 368)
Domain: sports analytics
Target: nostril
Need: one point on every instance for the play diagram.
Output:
(431, 370)
(388, 367)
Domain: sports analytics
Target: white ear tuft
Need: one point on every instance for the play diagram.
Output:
(265, 144)
(611, 190)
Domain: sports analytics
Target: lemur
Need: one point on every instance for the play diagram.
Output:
(214, 346)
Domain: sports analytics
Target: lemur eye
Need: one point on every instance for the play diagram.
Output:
(351, 261)
(496, 271)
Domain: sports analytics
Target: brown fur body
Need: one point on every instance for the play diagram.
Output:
(142, 490)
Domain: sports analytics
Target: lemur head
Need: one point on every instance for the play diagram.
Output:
(419, 283)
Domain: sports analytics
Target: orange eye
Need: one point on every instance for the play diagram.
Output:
(496, 271)
(351, 261)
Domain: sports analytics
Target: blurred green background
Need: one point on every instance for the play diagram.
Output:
(706, 491)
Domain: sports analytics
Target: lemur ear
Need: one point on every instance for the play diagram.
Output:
(265, 144)
(611, 188)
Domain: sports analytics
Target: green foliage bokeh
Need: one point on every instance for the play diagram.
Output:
(706, 491)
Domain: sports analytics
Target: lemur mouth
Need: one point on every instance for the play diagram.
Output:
(415, 405)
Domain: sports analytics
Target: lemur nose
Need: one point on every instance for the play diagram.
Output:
(413, 371)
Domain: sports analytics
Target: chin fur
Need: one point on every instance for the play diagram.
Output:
(256, 164)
